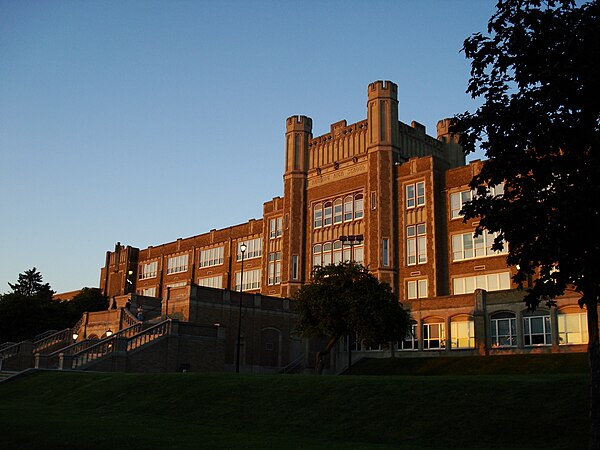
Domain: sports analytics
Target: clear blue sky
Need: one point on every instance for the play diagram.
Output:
(146, 121)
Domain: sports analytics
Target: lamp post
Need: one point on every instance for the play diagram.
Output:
(239, 336)
(350, 240)
(75, 336)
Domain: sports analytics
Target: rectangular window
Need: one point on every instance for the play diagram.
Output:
(275, 227)
(212, 282)
(348, 213)
(148, 270)
(503, 330)
(572, 328)
(148, 292)
(415, 194)
(465, 246)
(385, 252)
(489, 282)
(358, 206)
(294, 267)
(457, 201)
(251, 280)
(416, 289)
(536, 331)
(327, 214)
(337, 211)
(318, 216)
(416, 244)
(211, 257)
(177, 264)
(253, 249)
(274, 268)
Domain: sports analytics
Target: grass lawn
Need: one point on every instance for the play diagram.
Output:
(189, 411)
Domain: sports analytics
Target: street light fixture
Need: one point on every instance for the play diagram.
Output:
(239, 336)
(109, 333)
(75, 336)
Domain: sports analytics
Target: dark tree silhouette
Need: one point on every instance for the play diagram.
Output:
(30, 284)
(345, 299)
(537, 74)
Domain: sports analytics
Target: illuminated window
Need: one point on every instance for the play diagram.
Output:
(572, 328)
(275, 227)
(327, 215)
(503, 330)
(416, 289)
(253, 249)
(348, 214)
(385, 252)
(177, 264)
(148, 271)
(148, 292)
(434, 336)
(462, 332)
(489, 282)
(415, 194)
(337, 211)
(465, 246)
(212, 282)
(416, 244)
(211, 257)
(358, 206)
(251, 280)
(318, 216)
(274, 268)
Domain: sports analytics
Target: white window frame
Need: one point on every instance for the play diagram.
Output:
(359, 202)
(572, 328)
(318, 215)
(211, 282)
(440, 331)
(416, 289)
(274, 268)
(177, 264)
(415, 194)
(251, 280)
(416, 244)
(490, 282)
(465, 246)
(507, 321)
(531, 339)
(462, 333)
(253, 249)
(338, 211)
(211, 257)
(148, 270)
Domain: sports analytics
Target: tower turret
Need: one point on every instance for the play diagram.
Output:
(382, 113)
(298, 132)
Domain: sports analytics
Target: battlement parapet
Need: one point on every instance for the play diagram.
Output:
(298, 123)
(383, 88)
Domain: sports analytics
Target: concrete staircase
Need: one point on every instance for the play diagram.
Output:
(6, 374)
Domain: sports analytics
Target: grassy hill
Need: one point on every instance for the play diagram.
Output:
(191, 411)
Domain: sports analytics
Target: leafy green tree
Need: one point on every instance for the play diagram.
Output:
(345, 299)
(537, 74)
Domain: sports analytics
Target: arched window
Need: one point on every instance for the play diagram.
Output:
(327, 216)
(317, 249)
(337, 211)
(503, 329)
(358, 206)
(462, 332)
(326, 253)
(337, 252)
(434, 334)
(318, 216)
(348, 202)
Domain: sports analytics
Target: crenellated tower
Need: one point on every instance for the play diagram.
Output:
(383, 150)
(298, 133)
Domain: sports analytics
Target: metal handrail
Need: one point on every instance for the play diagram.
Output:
(149, 335)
